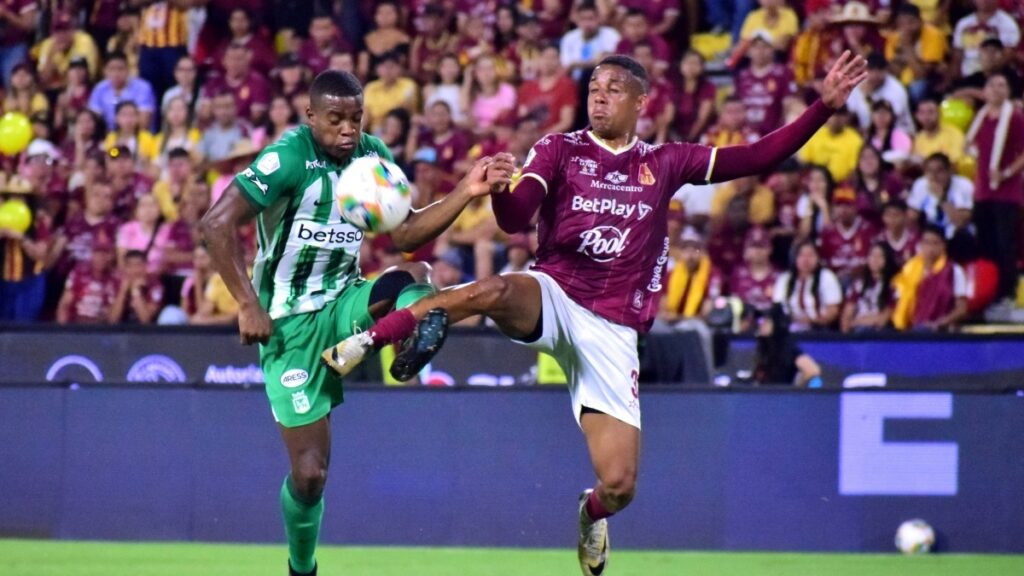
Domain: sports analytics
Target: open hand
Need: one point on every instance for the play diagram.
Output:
(844, 76)
(490, 174)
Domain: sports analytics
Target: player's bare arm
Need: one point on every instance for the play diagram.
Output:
(424, 225)
(219, 229)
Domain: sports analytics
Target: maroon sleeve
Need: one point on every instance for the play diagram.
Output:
(738, 161)
(515, 208)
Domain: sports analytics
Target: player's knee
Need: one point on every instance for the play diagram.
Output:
(420, 271)
(489, 292)
(619, 486)
(309, 478)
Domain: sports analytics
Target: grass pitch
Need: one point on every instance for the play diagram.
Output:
(58, 558)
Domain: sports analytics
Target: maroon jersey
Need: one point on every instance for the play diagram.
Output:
(905, 247)
(658, 99)
(125, 198)
(252, 90)
(603, 223)
(763, 94)
(755, 292)
(688, 105)
(317, 60)
(81, 235)
(845, 251)
(93, 295)
(12, 35)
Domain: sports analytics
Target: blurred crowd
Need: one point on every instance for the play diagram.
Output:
(903, 212)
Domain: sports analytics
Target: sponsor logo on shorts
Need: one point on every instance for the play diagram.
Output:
(294, 378)
(269, 163)
(659, 270)
(155, 368)
(328, 236)
(603, 243)
(300, 402)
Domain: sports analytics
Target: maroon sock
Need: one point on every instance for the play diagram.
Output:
(394, 327)
(596, 510)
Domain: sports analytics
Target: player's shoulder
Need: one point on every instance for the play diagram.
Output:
(295, 144)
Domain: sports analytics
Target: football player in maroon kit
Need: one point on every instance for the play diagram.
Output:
(603, 199)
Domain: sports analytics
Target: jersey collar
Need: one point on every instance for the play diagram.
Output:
(597, 140)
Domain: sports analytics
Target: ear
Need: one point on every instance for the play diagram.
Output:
(641, 102)
(309, 113)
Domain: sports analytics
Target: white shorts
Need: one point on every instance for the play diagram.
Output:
(599, 357)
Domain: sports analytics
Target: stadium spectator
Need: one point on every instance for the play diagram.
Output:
(176, 132)
(809, 292)
(324, 40)
(185, 86)
(290, 76)
(128, 183)
(91, 288)
(18, 18)
(987, 21)
(940, 197)
(779, 360)
(163, 39)
(73, 98)
(475, 40)
(174, 183)
(146, 233)
(827, 34)
(727, 233)
(896, 233)
(446, 86)
(550, 99)
(844, 244)
(204, 296)
(448, 269)
(584, 46)
(387, 37)
(728, 15)
(992, 59)
(449, 144)
(75, 240)
(395, 135)
(432, 42)
(84, 137)
(280, 119)
(227, 129)
(635, 30)
(836, 147)
(391, 90)
(236, 161)
(813, 206)
(885, 136)
(690, 287)
(997, 134)
(524, 53)
(486, 96)
(870, 299)
(778, 21)
(250, 89)
(473, 234)
(764, 85)
(880, 86)
(695, 107)
(24, 257)
(518, 254)
(116, 87)
(875, 182)
(139, 295)
(66, 43)
(262, 58)
(931, 289)
(786, 186)
(129, 133)
(23, 93)
(916, 52)
(934, 136)
(754, 194)
(659, 114)
(753, 280)
(731, 128)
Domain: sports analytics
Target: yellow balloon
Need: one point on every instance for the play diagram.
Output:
(956, 112)
(15, 133)
(967, 166)
(15, 215)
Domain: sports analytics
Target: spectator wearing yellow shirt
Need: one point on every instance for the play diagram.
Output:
(391, 90)
(916, 51)
(760, 197)
(933, 136)
(57, 52)
(175, 184)
(836, 146)
(129, 132)
(24, 95)
(774, 17)
(204, 296)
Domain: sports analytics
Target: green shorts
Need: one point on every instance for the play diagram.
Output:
(300, 389)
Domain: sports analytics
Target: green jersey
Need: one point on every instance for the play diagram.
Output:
(307, 254)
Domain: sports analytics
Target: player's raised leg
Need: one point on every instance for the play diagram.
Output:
(512, 301)
(614, 452)
(302, 504)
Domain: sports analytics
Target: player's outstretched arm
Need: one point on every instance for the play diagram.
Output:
(515, 209)
(739, 161)
(424, 225)
(219, 228)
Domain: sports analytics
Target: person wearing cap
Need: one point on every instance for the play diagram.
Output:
(551, 97)
(392, 89)
(24, 257)
(844, 244)
(251, 89)
(993, 58)
(431, 43)
(764, 85)
(835, 146)
(880, 85)
(65, 44)
(971, 30)
(775, 18)
(916, 51)
(753, 280)
(828, 33)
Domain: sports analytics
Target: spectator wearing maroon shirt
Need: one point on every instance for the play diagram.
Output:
(845, 243)
(635, 30)
(661, 15)
(551, 98)
(764, 86)
(450, 144)
(524, 53)
(290, 76)
(875, 182)
(754, 279)
(323, 41)
(251, 90)
(261, 54)
(657, 117)
(74, 96)
(18, 21)
(785, 184)
(386, 38)
(695, 107)
(127, 183)
(870, 298)
(75, 240)
(897, 235)
(731, 128)
(431, 43)
(932, 290)
(91, 287)
(139, 295)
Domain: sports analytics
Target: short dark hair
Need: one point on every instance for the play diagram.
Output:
(124, 104)
(895, 204)
(135, 254)
(635, 12)
(116, 55)
(992, 42)
(908, 9)
(935, 230)
(334, 83)
(177, 153)
(941, 158)
(588, 5)
(629, 65)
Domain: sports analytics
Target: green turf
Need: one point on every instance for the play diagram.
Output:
(54, 558)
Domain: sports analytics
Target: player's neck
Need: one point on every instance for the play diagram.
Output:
(616, 144)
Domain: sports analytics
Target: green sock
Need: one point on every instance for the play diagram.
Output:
(412, 293)
(302, 523)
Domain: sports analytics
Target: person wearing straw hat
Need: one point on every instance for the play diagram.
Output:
(24, 248)
(241, 154)
(852, 28)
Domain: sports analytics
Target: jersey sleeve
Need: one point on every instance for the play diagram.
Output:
(377, 145)
(689, 163)
(544, 161)
(276, 173)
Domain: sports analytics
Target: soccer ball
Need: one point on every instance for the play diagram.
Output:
(915, 537)
(373, 194)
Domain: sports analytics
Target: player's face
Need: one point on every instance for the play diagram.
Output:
(614, 102)
(336, 123)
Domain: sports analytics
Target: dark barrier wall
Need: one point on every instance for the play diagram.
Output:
(488, 359)
(752, 470)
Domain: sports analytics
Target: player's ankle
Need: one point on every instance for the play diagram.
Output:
(394, 327)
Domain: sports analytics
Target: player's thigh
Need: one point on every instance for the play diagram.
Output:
(350, 312)
(614, 447)
(517, 307)
(309, 446)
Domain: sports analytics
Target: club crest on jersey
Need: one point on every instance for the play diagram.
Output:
(646, 176)
(603, 243)
(269, 163)
(616, 177)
